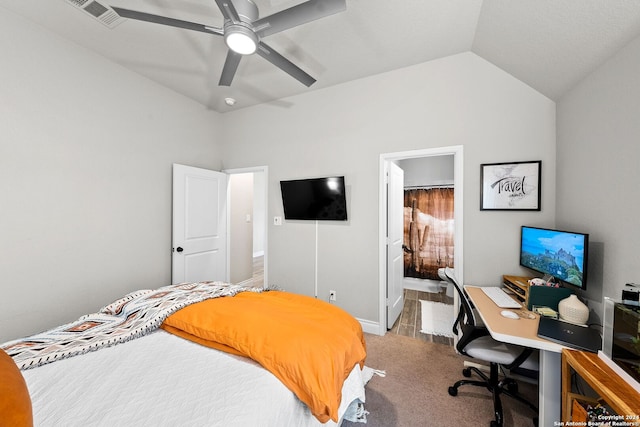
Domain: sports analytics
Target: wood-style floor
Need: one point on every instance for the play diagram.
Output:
(410, 321)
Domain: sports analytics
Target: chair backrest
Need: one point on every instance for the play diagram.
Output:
(466, 317)
(465, 304)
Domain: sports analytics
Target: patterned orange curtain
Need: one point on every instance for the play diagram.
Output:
(428, 231)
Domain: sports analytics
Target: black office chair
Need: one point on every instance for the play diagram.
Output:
(476, 342)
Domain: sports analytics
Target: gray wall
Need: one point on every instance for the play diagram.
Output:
(459, 100)
(86, 150)
(435, 170)
(598, 173)
(259, 213)
(240, 230)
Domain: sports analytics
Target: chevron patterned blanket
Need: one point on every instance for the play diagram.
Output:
(132, 316)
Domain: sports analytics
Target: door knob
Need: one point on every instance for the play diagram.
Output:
(179, 249)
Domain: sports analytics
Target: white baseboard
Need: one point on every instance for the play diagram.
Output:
(371, 327)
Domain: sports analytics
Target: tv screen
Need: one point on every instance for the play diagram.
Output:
(314, 199)
(561, 254)
(625, 349)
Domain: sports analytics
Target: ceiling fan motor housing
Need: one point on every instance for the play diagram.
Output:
(241, 36)
(247, 10)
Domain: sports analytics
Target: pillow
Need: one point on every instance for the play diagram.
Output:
(15, 402)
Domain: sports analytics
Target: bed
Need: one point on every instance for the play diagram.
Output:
(193, 354)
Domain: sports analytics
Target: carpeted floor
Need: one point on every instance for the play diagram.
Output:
(414, 392)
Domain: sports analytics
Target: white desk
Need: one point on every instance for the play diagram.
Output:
(525, 332)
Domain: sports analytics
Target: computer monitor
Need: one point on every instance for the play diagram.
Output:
(556, 253)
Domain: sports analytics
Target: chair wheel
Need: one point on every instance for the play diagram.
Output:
(494, 424)
(453, 391)
(513, 387)
(466, 372)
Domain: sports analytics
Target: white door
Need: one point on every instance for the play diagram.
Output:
(395, 236)
(199, 225)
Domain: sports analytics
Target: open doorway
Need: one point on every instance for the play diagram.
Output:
(247, 213)
(420, 166)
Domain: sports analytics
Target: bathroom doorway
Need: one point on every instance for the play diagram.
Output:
(433, 239)
(428, 220)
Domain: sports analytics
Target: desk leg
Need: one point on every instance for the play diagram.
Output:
(549, 388)
(566, 388)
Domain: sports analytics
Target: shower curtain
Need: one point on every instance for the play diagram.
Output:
(428, 231)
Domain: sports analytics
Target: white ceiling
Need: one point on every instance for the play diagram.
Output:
(548, 44)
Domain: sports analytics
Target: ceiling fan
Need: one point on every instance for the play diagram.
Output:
(243, 31)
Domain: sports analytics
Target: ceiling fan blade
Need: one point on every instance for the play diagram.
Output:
(228, 10)
(229, 69)
(156, 19)
(297, 15)
(284, 64)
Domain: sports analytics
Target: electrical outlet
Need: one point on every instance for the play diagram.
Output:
(332, 295)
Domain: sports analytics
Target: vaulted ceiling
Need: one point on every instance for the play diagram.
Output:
(548, 44)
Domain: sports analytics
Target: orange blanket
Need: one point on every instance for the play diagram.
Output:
(310, 345)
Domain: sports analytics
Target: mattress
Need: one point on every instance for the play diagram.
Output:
(163, 380)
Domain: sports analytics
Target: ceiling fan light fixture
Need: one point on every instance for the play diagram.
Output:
(241, 39)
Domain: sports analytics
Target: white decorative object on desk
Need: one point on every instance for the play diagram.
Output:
(573, 310)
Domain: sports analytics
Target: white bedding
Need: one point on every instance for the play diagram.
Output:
(164, 380)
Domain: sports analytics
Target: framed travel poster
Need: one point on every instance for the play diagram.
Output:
(510, 186)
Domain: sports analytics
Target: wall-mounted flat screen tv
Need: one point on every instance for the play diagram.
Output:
(556, 253)
(315, 199)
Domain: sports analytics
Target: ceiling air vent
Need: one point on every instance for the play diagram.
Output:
(102, 13)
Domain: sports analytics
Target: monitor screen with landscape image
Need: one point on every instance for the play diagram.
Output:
(556, 253)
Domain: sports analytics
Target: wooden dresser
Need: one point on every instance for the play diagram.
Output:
(610, 387)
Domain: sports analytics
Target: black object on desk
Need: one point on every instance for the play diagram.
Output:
(547, 296)
(570, 335)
